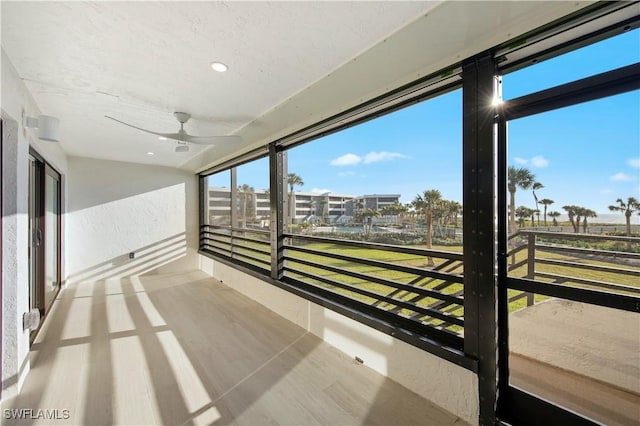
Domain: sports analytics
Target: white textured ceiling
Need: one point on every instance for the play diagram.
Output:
(140, 61)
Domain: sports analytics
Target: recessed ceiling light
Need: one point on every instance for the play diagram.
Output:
(150, 153)
(219, 66)
(162, 138)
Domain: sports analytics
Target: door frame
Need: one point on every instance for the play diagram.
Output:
(43, 168)
(514, 404)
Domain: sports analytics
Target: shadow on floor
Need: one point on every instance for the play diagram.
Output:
(182, 348)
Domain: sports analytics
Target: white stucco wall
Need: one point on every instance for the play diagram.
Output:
(110, 209)
(116, 208)
(14, 99)
(451, 387)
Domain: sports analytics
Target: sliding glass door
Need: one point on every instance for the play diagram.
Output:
(44, 231)
(51, 235)
(569, 293)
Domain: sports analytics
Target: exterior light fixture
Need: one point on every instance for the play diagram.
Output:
(219, 66)
(48, 127)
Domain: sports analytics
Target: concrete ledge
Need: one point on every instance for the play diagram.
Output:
(593, 341)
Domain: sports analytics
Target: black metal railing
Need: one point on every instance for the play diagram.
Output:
(422, 288)
(596, 262)
(417, 289)
(247, 245)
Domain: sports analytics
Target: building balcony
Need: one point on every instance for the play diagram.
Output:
(158, 269)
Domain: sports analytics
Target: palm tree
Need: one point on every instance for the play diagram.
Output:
(411, 210)
(293, 180)
(580, 212)
(546, 202)
(632, 205)
(521, 221)
(534, 188)
(428, 201)
(523, 213)
(245, 193)
(588, 213)
(358, 208)
(571, 212)
(455, 208)
(312, 208)
(324, 204)
(554, 215)
(367, 220)
(396, 209)
(517, 178)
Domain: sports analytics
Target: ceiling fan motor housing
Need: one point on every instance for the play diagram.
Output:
(182, 117)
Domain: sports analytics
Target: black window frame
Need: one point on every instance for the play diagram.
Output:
(483, 350)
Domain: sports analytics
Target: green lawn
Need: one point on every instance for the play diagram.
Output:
(375, 271)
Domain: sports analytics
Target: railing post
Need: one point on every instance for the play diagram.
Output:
(531, 263)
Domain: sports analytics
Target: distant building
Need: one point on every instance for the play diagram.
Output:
(219, 204)
(373, 202)
(328, 207)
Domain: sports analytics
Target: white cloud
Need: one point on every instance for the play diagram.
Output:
(634, 162)
(320, 191)
(539, 161)
(606, 191)
(346, 160)
(620, 177)
(371, 157)
(374, 157)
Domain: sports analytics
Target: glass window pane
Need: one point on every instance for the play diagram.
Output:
(51, 211)
(239, 217)
(252, 206)
(252, 240)
(596, 58)
(583, 357)
(218, 199)
(396, 179)
(574, 192)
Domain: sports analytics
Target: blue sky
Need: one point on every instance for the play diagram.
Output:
(585, 155)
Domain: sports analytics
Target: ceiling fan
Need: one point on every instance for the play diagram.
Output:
(182, 137)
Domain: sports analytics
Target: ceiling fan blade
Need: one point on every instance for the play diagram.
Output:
(211, 140)
(174, 136)
(183, 136)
